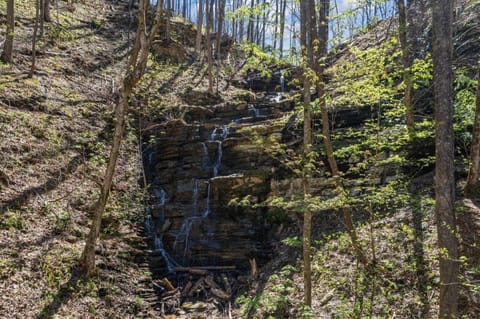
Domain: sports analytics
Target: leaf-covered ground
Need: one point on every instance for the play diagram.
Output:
(54, 133)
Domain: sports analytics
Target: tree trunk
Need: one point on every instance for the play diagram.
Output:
(167, 21)
(320, 86)
(250, 23)
(442, 11)
(209, 7)
(42, 23)
(7, 54)
(34, 40)
(46, 16)
(135, 70)
(282, 26)
(275, 28)
(307, 53)
(472, 188)
(220, 26)
(402, 34)
(198, 44)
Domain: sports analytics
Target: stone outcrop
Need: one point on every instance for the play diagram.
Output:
(207, 173)
(197, 166)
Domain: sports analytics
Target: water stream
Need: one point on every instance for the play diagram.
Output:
(151, 230)
(218, 135)
(253, 110)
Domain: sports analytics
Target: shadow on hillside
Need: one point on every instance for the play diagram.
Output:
(415, 190)
(62, 296)
(167, 83)
(49, 185)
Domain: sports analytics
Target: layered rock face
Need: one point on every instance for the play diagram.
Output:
(196, 166)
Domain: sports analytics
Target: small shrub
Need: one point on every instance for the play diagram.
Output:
(13, 220)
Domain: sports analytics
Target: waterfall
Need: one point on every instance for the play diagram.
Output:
(282, 82)
(253, 110)
(195, 197)
(204, 156)
(161, 196)
(151, 229)
(183, 234)
(207, 205)
(219, 134)
(217, 163)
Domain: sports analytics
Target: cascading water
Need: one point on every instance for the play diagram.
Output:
(253, 110)
(151, 230)
(218, 135)
(184, 232)
(282, 82)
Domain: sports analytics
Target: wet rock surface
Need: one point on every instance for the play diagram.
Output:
(196, 167)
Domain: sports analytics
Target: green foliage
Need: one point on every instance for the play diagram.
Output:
(7, 268)
(365, 77)
(97, 23)
(293, 241)
(421, 72)
(464, 106)
(57, 32)
(13, 220)
(257, 60)
(273, 303)
(57, 264)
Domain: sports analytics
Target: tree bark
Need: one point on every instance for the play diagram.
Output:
(307, 53)
(34, 40)
(402, 34)
(282, 26)
(221, 14)
(275, 28)
(46, 16)
(198, 44)
(250, 23)
(167, 21)
(472, 188)
(442, 11)
(135, 70)
(209, 7)
(7, 54)
(42, 22)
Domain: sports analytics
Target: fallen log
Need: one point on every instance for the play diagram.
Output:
(189, 269)
(215, 290)
(167, 284)
(196, 287)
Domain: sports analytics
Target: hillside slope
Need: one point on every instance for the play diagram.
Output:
(55, 131)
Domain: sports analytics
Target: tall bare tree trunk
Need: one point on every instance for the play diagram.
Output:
(167, 21)
(306, 9)
(275, 27)
(46, 16)
(34, 40)
(250, 25)
(282, 26)
(221, 14)
(135, 70)
(7, 54)
(198, 44)
(209, 7)
(320, 86)
(408, 98)
(42, 23)
(472, 188)
(442, 12)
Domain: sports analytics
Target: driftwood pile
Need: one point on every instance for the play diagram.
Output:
(194, 289)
